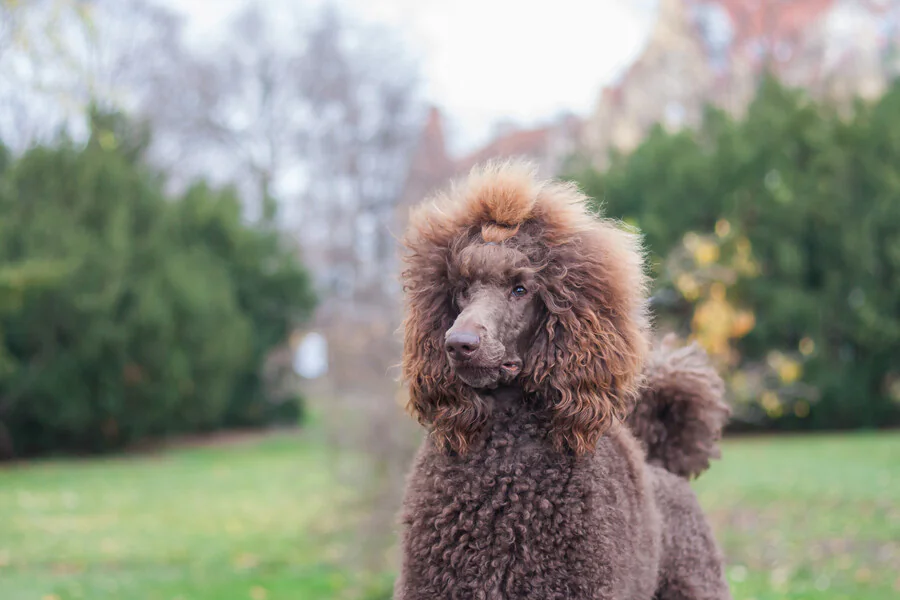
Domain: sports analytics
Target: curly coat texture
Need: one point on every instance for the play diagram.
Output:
(539, 489)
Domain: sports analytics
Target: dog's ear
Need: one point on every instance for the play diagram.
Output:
(588, 351)
(453, 412)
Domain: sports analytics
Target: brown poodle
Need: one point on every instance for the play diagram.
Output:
(526, 340)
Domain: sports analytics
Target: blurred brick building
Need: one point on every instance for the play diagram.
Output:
(714, 51)
(698, 52)
(547, 147)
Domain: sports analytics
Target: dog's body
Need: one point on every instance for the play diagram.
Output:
(531, 485)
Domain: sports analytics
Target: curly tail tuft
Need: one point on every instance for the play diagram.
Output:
(680, 414)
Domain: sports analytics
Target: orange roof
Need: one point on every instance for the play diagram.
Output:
(524, 142)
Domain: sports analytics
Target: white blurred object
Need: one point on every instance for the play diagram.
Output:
(311, 356)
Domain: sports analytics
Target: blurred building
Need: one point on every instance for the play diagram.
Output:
(432, 166)
(699, 52)
(714, 51)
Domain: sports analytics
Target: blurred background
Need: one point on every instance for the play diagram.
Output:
(199, 211)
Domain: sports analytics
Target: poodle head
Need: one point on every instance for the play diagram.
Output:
(511, 280)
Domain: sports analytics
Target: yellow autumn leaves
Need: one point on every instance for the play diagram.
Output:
(717, 322)
(703, 271)
(706, 266)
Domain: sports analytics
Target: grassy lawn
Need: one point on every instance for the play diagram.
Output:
(250, 521)
(809, 517)
(799, 517)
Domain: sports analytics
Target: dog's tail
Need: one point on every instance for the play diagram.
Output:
(680, 414)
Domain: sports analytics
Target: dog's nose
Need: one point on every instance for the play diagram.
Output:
(462, 345)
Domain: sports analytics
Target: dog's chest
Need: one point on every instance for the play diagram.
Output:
(510, 522)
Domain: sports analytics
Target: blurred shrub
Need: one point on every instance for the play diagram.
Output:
(130, 313)
(775, 241)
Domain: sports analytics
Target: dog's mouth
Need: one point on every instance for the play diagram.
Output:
(487, 376)
(511, 367)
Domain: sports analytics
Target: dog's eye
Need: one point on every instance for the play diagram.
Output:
(519, 291)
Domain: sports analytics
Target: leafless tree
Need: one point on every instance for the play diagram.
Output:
(316, 111)
(231, 114)
(57, 57)
(360, 90)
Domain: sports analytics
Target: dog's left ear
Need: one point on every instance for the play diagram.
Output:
(588, 353)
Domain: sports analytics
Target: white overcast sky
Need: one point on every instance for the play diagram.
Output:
(485, 61)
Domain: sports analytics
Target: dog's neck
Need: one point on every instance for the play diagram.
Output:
(515, 419)
(509, 400)
(504, 394)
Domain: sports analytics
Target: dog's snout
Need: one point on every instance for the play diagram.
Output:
(461, 345)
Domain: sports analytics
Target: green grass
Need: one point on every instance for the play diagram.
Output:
(798, 517)
(809, 517)
(248, 521)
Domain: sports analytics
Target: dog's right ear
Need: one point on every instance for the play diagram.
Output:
(452, 412)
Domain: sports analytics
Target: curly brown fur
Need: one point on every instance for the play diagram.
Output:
(525, 337)
(681, 414)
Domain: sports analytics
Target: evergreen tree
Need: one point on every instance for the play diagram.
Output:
(153, 314)
(810, 201)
